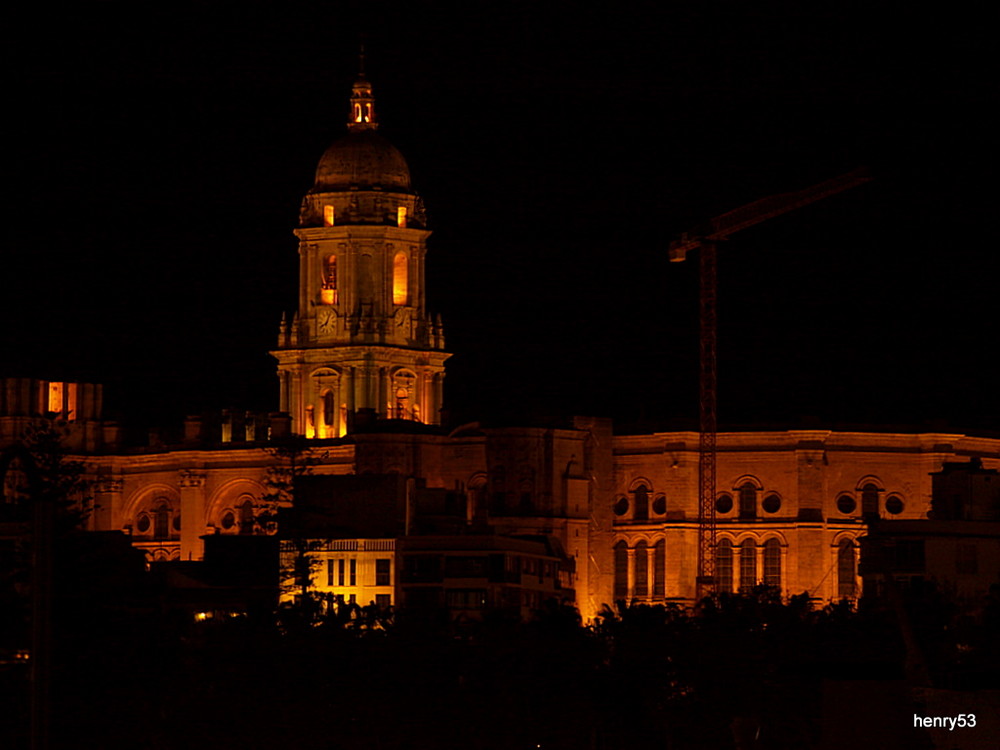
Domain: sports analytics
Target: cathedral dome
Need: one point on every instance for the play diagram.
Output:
(362, 159)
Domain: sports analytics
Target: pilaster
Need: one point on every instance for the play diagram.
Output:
(192, 491)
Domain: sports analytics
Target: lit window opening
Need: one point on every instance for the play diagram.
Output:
(328, 292)
(400, 280)
(56, 391)
(310, 422)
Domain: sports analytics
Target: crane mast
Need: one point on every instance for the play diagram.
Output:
(706, 239)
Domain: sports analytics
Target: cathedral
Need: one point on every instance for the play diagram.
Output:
(569, 510)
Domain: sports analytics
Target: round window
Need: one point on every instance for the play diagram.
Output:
(771, 504)
(846, 504)
(228, 520)
(723, 504)
(660, 505)
(143, 524)
(621, 506)
(894, 505)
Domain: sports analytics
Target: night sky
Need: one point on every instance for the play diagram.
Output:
(157, 155)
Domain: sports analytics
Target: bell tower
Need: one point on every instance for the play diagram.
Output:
(362, 337)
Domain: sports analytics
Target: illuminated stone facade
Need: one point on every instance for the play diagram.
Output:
(791, 505)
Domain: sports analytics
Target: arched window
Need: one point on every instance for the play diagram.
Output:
(246, 517)
(641, 570)
(329, 411)
(400, 279)
(402, 402)
(477, 494)
(403, 387)
(161, 521)
(724, 566)
(772, 563)
(498, 497)
(869, 500)
(329, 292)
(621, 571)
(659, 569)
(748, 565)
(525, 497)
(846, 570)
(641, 509)
(748, 500)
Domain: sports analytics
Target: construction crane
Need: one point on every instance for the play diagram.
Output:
(705, 239)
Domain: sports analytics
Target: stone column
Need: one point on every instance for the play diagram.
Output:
(368, 385)
(283, 390)
(192, 488)
(382, 405)
(304, 262)
(435, 416)
(296, 397)
(650, 569)
(784, 570)
(420, 396)
(758, 562)
(631, 575)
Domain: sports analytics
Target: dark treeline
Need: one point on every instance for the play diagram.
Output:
(741, 671)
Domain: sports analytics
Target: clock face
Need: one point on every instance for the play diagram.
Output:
(327, 321)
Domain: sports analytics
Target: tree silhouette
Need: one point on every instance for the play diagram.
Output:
(294, 459)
